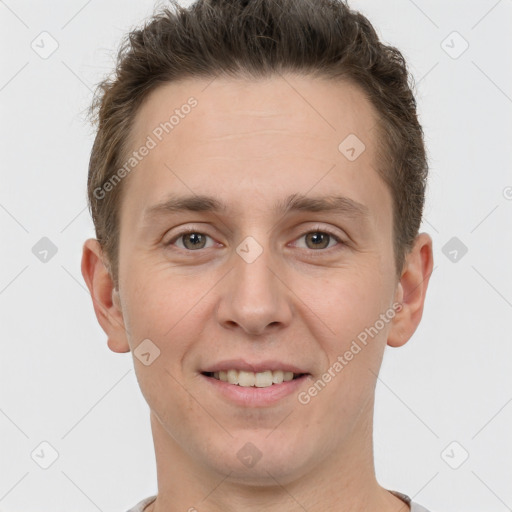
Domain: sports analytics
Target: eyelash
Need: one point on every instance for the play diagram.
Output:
(316, 230)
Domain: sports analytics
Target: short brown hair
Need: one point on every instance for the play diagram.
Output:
(261, 38)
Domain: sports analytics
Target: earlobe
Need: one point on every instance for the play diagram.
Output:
(106, 302)
(411, 291)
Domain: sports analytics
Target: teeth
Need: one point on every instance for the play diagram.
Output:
(287, 376)
(246, 379)
(232, 376)
(263, 379)
(277, 376)
(250, 379)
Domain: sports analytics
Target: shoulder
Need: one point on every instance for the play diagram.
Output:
(142, 504)
(416, 507)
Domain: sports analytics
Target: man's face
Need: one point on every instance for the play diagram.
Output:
(256, 287)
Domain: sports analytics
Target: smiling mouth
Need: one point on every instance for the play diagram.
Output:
(251, 379)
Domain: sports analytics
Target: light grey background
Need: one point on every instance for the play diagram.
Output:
(61, 384)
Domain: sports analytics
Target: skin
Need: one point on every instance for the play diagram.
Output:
(250, 144)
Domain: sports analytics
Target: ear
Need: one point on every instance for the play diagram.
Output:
(105, 297)
(411, 291)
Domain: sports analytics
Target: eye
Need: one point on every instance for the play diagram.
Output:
(192, 240)
(320, 239)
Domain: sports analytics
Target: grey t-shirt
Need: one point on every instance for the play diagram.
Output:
(415, 507)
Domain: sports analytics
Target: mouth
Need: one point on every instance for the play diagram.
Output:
(248, 379)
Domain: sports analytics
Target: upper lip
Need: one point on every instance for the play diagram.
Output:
(256, 367)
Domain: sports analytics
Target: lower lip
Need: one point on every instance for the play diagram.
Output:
(253, 396)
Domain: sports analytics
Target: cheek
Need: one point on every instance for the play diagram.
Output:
(353, 301)
(353, 309)
(162, 309)
(154, 297)
(168, 308)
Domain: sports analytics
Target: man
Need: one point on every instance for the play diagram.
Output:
(257, 184)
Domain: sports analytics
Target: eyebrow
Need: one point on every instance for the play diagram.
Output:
(293, 203)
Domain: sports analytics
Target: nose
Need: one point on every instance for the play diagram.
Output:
(254, 297)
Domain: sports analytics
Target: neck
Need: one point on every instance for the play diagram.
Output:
(343, 481)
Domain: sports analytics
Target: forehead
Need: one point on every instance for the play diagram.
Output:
(248, 139)
(314, 107)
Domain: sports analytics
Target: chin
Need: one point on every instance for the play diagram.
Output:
(259, 460)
